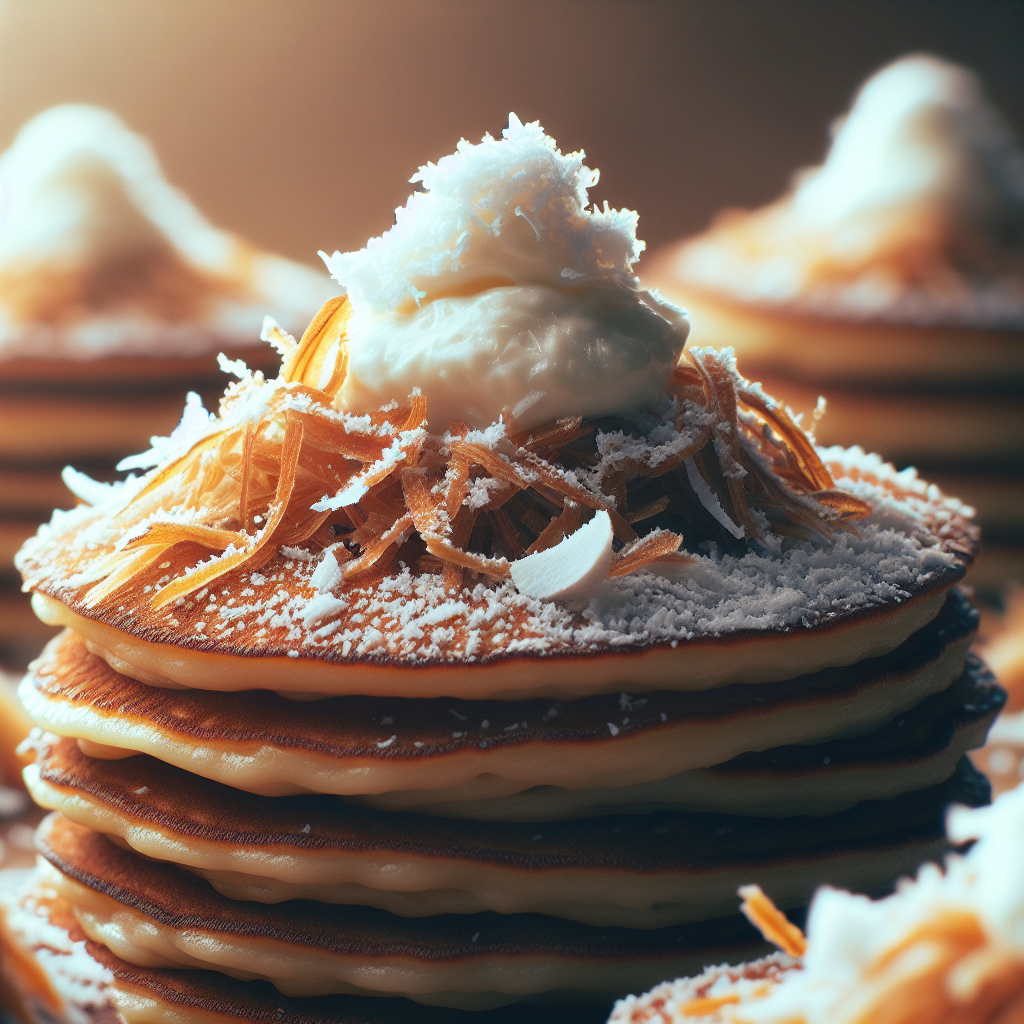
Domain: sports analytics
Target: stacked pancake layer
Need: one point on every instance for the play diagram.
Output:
(462, 795)
(890, 280)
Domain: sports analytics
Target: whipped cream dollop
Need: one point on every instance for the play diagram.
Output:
(499, 290)
(917, 211)
(99, 255)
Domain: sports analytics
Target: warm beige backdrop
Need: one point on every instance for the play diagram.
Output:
(298, 122)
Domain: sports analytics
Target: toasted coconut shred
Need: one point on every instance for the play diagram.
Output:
(313, 527)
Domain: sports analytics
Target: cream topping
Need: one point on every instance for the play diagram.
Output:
(917, 211)
(499, 289)
(100, 255)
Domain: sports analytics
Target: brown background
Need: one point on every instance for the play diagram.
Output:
(298, 122)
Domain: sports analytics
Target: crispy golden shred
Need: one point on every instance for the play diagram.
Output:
(762, 913)
(457, 503)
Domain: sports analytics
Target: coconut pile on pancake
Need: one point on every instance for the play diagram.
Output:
(890, 279)
(116, 294)
(947, 946)
(378, 683)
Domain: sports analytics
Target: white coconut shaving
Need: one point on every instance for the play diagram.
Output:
(83, 199)
(570, 570)
(499, 288)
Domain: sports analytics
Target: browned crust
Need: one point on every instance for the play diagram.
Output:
(157, 795)
(258, 1002)
(353, 726)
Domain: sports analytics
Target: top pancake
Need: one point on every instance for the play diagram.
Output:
(753, 618)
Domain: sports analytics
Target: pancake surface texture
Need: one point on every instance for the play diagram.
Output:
(479, 655)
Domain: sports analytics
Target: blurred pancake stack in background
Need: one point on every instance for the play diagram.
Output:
(890, 280)
(116, 296)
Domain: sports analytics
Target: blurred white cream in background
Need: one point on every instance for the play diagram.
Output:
(916, 213)
(100, 256)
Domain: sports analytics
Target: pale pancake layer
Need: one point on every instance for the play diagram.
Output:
(61, 976)
(40, 428)
(262, 743)
(832, 350)
(745, 657)
(54, 411)
(127, 374)
(635, 871)
(18, 625)
(911, 751)
(34, 491)
(156, 915)
(14, 532)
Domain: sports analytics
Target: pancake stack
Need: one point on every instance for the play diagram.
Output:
(361, 717)
(116, 296)
(890, 280)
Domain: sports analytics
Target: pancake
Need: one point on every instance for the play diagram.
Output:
(912, 751)
(896, 264)
(262, 743)
(65, 978)
(160, 372)
(913, 429)
(546, 547)
(32, 492)
(162, 916)
(747, 657)
(132, 269)
(109, 313)
(815, 350)
(13, 533)
(636, 871)
(561, 659)
(889, 280)
(998, 499)
(36, 429)
(22, 635)
(748, 610)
